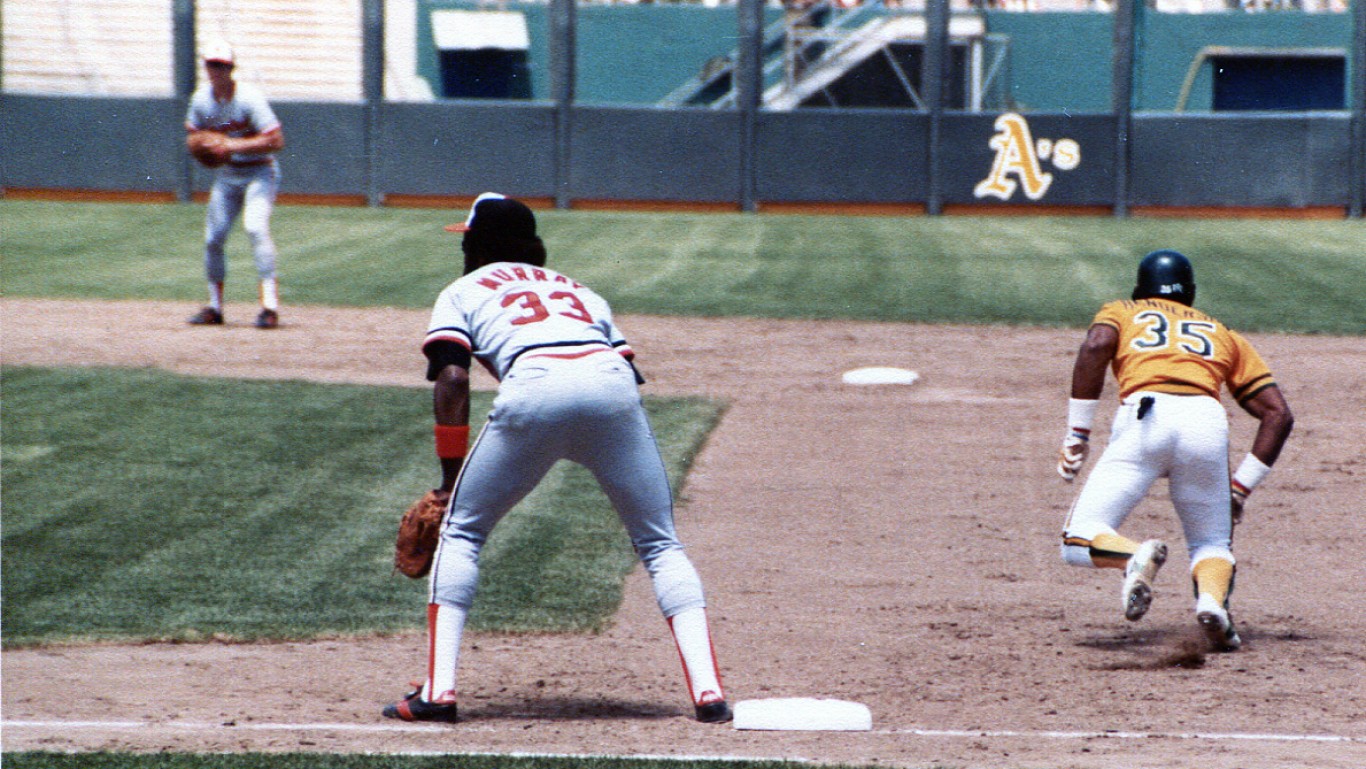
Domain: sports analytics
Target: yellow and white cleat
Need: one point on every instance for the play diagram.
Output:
(1138, 578)
(1217, 624)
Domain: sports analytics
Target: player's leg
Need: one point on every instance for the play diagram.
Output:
(258, 206)
(504, 464)
(624, 458)
(1134, 459)
(225, 204)
(1117, 483)
(1199, 489)
(640, 498)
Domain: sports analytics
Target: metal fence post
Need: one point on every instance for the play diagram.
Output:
(748, 87)
(372, 89)
(932, 81)
(1357, 152)
(562, 73)
(1128, 15)
(184, 70)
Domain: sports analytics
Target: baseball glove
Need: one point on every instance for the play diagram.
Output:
(418, 532)
(208, 147)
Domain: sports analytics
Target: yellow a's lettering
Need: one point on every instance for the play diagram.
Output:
(1015, 156)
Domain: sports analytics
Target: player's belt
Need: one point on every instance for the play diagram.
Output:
(250, 163)
(560, 350)
(1167, 388)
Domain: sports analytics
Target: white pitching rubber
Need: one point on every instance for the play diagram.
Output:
(803, 714)
(873, 375)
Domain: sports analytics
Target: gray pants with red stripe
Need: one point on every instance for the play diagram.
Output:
(586, 410)
(249, 193)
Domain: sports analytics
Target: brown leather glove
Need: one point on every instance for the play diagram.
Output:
(418, 533)
(210, 148)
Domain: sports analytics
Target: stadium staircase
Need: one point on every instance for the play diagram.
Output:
(806, 53)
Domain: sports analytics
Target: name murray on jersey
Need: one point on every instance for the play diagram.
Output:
(495, 278)
(500, 277)
(464, 318)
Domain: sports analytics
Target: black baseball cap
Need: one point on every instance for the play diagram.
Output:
(500, 215)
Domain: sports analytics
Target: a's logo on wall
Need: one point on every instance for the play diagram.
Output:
(1018, 160)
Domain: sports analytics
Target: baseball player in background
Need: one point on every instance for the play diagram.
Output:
(1170, 362)
(246, 185)
(567, 390)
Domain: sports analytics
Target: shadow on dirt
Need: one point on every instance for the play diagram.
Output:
(1151, 648)
(570, 709)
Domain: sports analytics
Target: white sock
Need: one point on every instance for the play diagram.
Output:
(693, 637)
(270, 294)
(216, 295)
(445, 626)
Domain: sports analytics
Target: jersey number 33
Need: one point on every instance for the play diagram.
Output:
(534, 309)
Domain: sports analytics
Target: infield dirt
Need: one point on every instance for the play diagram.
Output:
(892, 545)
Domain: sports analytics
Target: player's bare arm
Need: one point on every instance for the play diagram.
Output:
(451, 409)
(1275, 422)
(1097, 350)
(267, 141)
(1088, 381)
(1270, 409)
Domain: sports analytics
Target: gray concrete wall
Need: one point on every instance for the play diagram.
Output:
(459, 149)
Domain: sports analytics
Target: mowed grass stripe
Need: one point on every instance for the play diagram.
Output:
(1264, 275)
(140, 504)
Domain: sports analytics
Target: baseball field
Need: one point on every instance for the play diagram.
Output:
(197, 522)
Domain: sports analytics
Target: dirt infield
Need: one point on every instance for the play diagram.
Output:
(891, 545)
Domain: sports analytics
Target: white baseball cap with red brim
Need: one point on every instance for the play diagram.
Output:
(219, 52)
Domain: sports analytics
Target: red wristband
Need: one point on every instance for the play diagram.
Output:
(452, 441)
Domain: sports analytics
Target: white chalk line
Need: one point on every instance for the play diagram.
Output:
(436, 728)
(1055, 735)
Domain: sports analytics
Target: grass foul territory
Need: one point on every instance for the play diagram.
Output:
(144, 505)
(1256, 275)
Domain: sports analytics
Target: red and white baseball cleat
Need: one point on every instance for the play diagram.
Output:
(413, 708)
(712, 709)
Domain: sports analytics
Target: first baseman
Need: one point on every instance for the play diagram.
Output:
(1171, 362)
(244, 186)
(567, 390)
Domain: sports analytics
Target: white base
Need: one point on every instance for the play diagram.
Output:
(874, 375)
(803, 714)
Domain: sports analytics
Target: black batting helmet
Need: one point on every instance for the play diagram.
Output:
(1166, 274)
(499, 229)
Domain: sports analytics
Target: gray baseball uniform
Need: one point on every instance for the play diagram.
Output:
(567, 391)
(246, 186)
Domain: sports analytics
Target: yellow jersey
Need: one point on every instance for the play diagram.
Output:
(1168, 347)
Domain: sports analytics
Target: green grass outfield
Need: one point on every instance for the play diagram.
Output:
(1256, 275)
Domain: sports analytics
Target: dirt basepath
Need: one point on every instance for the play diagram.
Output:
(890, 545)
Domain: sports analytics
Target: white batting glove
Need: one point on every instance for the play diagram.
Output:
(1075, 448)
(1237, 499)
(1250, 473)
(1080, 414)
